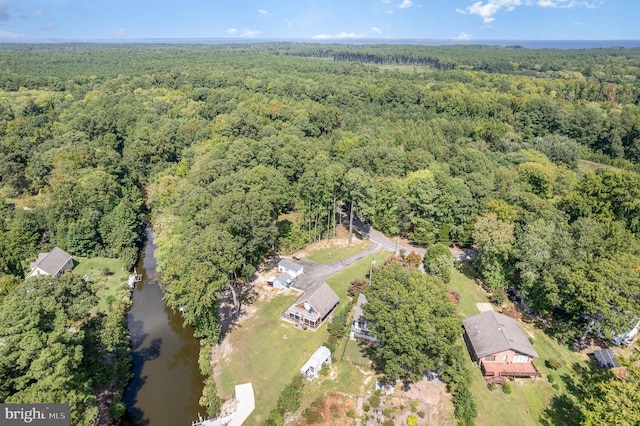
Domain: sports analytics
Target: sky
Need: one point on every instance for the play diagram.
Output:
(319, 20)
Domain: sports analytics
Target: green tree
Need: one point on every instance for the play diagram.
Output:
(410, 314)
(438, 261)
(494, 239)
(358, 193)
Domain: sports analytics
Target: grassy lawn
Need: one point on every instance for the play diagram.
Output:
(340, 282)
(353, 353)
(268, 352)
(107, 276)
(343, 377)
(496, 407)
(470, 292)
(337, 253)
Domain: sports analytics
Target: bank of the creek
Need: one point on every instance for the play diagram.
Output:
(166, 384)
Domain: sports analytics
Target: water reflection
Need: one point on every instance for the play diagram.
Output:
(167, 384)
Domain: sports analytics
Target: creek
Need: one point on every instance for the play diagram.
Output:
(167, 383)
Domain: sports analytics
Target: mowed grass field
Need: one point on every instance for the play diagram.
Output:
(333, 254)
(529, 399)
(107, 276)
(269, 352)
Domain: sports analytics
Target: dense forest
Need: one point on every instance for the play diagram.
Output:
(530, 156)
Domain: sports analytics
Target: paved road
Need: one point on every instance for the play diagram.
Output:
(316, 273)
(379, 238)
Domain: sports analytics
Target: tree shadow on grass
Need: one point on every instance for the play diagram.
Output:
(228, 314)
(466, 268)
(564, 409)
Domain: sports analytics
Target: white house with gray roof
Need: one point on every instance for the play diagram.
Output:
(359, 326)
(312, 307)
(52, 263)
(291, 268)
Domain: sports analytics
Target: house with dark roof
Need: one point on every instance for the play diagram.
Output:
(359, 326)
(291, 268)
(312, 307)
(52, 263)
(499, 346)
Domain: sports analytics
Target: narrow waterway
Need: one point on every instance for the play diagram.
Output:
(167, 383)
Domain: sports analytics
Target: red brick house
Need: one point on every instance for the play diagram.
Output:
(499, 347)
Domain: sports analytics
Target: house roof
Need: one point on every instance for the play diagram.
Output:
(490, 332)
(51, 262)
(359, 314)
(282, 278)
(606, 358)
(291, 266)
(322, 298)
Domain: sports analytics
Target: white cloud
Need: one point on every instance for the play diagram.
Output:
(232, 31)
(376, 30)
(10, 35)
(339, 36)
(487, 9)
(405, 4)
(463, 36)
(568, 4)
(118, 32)
(249, 33)
(50, 26)
(263, 12)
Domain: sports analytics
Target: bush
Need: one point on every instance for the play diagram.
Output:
(553, 363)
(465, 407)
(412, 421)
(414, 406)
(313, 413)
(374, 401)
(551, 378)
(357, 286)
(275, 419)
(389, 411)
(388, 422)
(289, 399)
(492, 386)
(324, 370)
(506, 388)
(351, 414)
(498, 297)
(366, 408)
(421, 414)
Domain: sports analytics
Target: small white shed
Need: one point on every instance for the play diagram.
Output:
(291, 268)
(312, 367)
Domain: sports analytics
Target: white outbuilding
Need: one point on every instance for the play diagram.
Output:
(311, 368)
